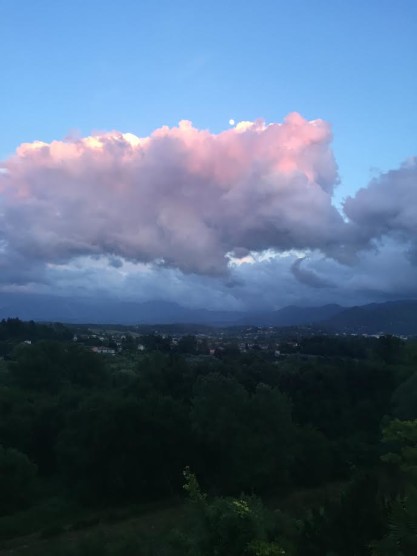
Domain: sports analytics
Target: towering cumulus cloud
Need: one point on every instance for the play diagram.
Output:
(197, 205)
(184, 197)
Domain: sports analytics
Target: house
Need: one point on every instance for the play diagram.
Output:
(103, 350)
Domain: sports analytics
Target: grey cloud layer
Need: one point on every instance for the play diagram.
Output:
(387, 207)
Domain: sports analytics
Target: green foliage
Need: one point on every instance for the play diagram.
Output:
(187, 344)
(400, 459)
(17, 480)
(345, 526)
(311, 446)
(227, 526)
(121, 431)
(401, 538)
(155, 342)
(404, 399)
(38, 366)
(251, 435)
(47, 366)
(337, 346)
(116, 447)
(264, 548)
(344, 400)
(400, 438)
(389, 348)
(192, 488)
(14, 331)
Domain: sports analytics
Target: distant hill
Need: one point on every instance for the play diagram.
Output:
(292, 315)
(396, 317)
(392, 317)
(48, 308)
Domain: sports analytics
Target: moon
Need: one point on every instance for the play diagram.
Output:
(231, 121)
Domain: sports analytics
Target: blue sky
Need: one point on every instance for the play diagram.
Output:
(81, 67)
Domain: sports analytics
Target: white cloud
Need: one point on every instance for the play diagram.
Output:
(241, 219)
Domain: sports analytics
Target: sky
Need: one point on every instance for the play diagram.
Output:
(219, 154)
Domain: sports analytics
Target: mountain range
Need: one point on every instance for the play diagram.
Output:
(394, 317)
(391, 317)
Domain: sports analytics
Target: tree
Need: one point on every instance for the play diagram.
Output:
(246, 440)
(47, 365)
(225, 526)
(187, 344)
(400, 458)
(401, 539)
(404, 399)
(345, 526)
(400, 440)
(39, 366)
(17, 478)
(119, 448)
(389, 348)
(313, 457)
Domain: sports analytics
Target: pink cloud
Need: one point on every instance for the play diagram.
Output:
(182, 196)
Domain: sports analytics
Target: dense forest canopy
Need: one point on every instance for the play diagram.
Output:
(309, 450)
